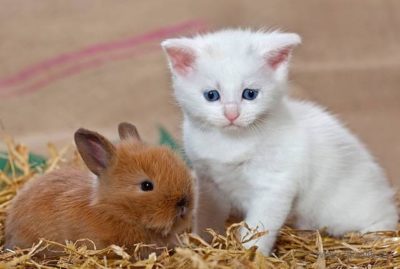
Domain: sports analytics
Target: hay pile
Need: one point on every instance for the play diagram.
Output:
(295, 249)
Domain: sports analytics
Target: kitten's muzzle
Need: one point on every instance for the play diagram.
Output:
(231, 111)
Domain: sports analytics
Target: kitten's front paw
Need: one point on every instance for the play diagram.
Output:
(264, 243)
(264, 246)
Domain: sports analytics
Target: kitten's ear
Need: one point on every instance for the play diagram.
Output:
(280, 47)
(181, 55)
(128, 131)
(96, 151)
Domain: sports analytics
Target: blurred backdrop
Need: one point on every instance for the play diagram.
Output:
(71, 64)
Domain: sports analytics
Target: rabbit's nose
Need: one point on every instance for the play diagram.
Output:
(182, 202)
(182, 207)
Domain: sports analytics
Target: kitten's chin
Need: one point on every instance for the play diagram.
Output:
(232, 127)
(239, 126)
(222, 125)
(225, 127)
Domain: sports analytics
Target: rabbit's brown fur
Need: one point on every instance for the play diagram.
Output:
(110, 208)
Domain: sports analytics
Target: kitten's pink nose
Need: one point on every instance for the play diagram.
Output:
(231, 112)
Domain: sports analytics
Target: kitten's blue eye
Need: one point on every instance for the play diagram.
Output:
(249, 94)
(212, 95)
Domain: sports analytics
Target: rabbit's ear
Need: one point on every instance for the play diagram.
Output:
(96, 151)
(128, 131)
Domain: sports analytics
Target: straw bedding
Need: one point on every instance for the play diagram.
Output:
(294, 249)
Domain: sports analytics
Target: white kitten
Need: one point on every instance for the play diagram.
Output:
(257, 151)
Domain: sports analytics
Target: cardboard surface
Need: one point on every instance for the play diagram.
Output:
(71, 64)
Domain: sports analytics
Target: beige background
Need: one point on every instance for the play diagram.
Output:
(349, 61)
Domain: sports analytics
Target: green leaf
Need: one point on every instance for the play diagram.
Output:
(167, 139)
(3, 161)
(34, 162)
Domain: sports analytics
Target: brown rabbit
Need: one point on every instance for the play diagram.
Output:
(137, 193)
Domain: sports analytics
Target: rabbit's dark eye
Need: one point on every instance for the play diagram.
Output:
(146, 185)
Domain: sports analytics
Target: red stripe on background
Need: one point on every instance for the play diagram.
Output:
(96, 49)
(78, 68)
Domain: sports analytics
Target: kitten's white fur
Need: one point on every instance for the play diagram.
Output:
(283, 157)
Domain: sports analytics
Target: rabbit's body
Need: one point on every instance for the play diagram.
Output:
(66, 211)
(108, 208)
(52, 211)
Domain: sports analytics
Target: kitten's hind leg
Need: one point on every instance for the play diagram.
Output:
(212, 209)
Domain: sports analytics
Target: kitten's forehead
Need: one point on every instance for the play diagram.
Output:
(224, 46)
(230, 53)
(242, 43)
(228, 66)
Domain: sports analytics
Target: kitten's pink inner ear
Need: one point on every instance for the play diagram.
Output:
(277, 57)
(182, 60)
